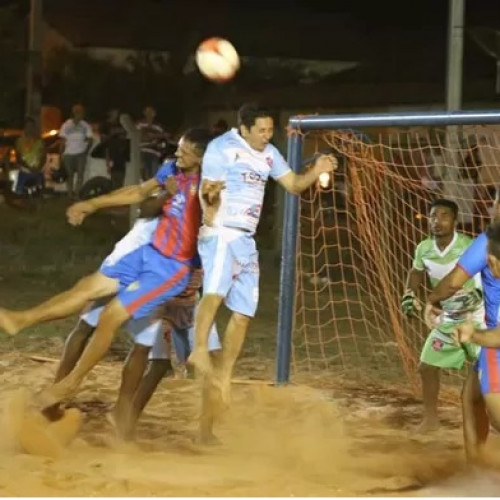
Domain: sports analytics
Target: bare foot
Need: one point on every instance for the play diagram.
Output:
(428, 424)
(201, 361)
(208, 439)
(7, 322)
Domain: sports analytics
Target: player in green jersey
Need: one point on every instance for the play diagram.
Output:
(436, 257)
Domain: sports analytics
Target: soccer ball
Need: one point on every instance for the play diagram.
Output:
(217, 59)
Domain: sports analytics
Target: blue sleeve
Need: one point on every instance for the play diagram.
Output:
(280, 166)
(166, 170)
(474, 259)
(212, 166)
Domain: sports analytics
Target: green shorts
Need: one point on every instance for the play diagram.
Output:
(440, 351)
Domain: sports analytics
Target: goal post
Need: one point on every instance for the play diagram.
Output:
(377, 183)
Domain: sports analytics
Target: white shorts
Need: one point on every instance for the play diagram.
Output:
(183, 341)
(142, 330)
(230, 264)
(148, 334)
(140, 234)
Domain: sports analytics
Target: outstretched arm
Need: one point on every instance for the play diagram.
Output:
(296, 183)
(128, 195)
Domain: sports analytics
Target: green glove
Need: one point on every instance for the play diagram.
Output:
(410, 304)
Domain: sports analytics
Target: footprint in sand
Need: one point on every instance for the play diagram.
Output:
(32, 432)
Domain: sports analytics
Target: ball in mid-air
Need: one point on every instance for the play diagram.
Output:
(217, 59)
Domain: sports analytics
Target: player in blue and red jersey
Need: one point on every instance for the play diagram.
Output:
(141, 280)
(482, 387)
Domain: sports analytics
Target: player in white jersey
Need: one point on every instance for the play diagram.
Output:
(435, 257)
(235, 170)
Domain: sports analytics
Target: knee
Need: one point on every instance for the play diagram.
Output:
(210, 301)
(138, 355)
(425, 369)
(241, 320)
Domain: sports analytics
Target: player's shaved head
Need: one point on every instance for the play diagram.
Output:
(443, 202)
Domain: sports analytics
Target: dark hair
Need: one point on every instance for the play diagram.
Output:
(248, 114)
(443, 202)
(198, 136)
(493, 235)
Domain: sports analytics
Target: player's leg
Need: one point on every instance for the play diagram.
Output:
(242, 300)
(429, 376)
(78, 338)
(144, 334)
(438, 353)
(62, 305)
(112, 317)
(475, 419)
(489, 379)
(217, 262)
(211, 402)
(159, 367)
(161, 280)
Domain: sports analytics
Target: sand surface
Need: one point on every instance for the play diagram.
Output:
(292, 441)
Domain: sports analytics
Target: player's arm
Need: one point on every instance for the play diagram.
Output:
(409, 302)
(153, 206)
(449, 285)
(472, 262)
(467, 332)
(128, 195)
(213, 175)
(296, 183)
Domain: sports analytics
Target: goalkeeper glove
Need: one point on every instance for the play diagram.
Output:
(410, 304)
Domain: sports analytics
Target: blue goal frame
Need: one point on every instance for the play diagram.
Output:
(301, 124)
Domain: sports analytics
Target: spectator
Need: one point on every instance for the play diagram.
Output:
(31, 156)
(117, 147)
(77, 135)
(152, 134)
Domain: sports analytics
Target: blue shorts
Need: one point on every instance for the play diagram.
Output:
(230, 264)
(147, 279)
(488, 368)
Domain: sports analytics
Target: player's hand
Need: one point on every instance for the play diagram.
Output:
(463, 332)
(77, 212)
(431, 315)
(211, 191)
(325, 164)
(410, 304)
(171, 186)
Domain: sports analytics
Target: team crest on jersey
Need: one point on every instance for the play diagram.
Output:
(269, 161)
(437, 344)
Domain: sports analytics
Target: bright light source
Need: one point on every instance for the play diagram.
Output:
(418, 216)
(324, 179)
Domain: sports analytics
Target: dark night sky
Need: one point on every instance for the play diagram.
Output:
(394, 41)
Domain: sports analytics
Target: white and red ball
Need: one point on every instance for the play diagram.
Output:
(217, 59)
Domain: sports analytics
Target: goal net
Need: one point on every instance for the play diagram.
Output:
(357, 239)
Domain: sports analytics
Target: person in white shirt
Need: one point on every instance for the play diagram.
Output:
(151, 133)
(77, 135)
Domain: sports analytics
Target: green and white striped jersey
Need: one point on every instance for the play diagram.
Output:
(437, 264)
